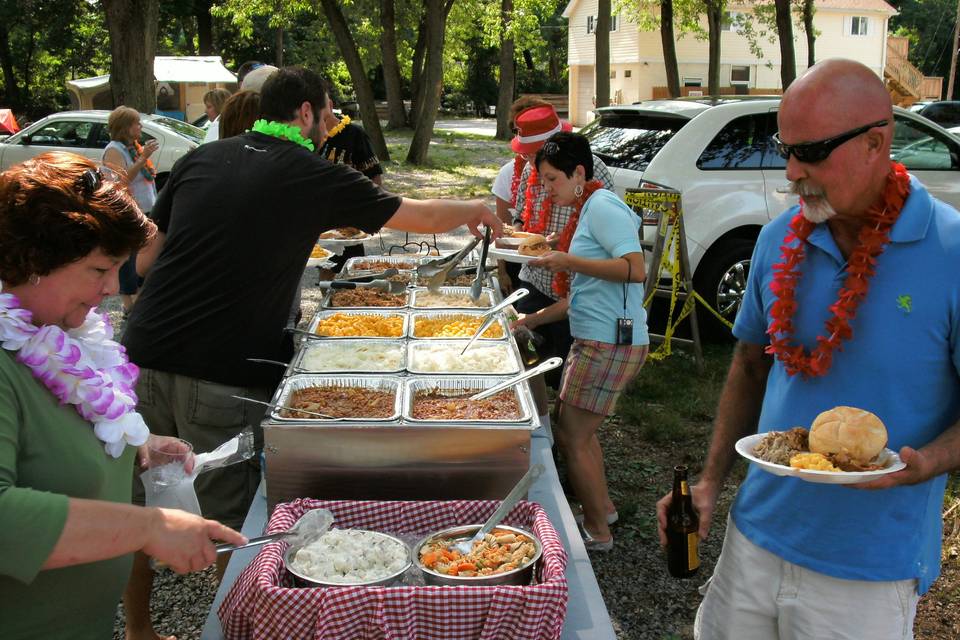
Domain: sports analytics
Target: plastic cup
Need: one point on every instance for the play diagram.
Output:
(168, 461)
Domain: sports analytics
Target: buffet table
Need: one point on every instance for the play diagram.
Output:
(587, 617)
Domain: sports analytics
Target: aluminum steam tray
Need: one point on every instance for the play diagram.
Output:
(464, 386)
(501, 321)
(356, 264)
(351, 355)
(446, 355)
(297, 382)
(323, 315)
(327, 302)
(487, 299)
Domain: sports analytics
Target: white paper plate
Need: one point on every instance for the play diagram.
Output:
(746, 445)
(510, 255)
(338, 243)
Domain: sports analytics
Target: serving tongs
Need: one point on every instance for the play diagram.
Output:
(309, 528)
(283, 407)
(477, 287)
(547, 365)
(369, 277)
(489, 316)
(389, 286)
(435, 272)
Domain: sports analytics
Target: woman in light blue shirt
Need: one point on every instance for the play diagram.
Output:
(604, 302)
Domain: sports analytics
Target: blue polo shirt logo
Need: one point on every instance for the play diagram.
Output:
(905, 303)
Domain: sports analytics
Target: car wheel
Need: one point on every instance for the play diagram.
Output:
(721, 279)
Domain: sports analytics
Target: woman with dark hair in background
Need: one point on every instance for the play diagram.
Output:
(69, 429)
(239, 113)
(608, 323)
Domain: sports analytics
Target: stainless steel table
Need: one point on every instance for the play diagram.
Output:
(587, 617)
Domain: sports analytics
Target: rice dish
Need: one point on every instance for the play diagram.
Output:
(350, 556)
(427, 299)
(446, 358)
(342, 356)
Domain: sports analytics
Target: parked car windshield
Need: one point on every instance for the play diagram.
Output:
(188, 131)
(630, 140)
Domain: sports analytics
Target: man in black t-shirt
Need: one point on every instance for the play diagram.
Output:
(237, 220)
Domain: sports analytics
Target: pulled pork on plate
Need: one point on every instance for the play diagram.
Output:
(779, 446)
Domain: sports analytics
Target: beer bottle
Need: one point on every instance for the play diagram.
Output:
(683, 557)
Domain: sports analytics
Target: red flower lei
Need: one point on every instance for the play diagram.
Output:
(561, 281)
(861, 266)
(540, 226)
(518, 163)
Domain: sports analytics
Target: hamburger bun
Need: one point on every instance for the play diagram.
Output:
(535, 245)
(854, 432)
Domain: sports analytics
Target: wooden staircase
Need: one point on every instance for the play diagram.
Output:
(905, 82)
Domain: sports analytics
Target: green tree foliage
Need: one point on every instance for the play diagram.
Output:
(43, 44)
(929, 26)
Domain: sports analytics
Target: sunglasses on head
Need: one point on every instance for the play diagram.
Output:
(819, 151)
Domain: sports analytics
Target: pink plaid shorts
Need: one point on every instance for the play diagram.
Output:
(597, 372)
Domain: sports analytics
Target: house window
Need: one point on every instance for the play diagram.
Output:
(592, 23)
(858, 26)
(739, 74)
(613, 75)
(693, 82)
(730, 21)
(627, 73)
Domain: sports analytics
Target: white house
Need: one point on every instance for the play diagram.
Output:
(854, 29)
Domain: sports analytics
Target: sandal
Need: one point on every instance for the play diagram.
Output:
(592, 544)
(612, 518)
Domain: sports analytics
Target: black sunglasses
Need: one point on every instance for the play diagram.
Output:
(818, 151)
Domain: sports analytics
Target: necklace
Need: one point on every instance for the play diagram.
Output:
(861, 266)
(561, 282)
(282, 131)
(518, 163)
(84, 367)
(340, 127)
(540, 224)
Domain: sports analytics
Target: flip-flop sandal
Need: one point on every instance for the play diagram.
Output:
(591, 544)
(612, 518)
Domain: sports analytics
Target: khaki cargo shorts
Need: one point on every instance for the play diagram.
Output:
(205, 415)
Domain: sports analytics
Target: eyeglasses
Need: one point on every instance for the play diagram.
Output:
(819, 150)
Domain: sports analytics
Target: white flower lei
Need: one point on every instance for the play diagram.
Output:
(84, 367)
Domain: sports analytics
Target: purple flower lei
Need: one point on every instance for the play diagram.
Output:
(84, 367)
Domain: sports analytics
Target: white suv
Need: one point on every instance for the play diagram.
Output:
(719, 155)
(85, 133)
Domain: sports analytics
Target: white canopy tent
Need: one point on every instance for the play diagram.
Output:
(181, 83)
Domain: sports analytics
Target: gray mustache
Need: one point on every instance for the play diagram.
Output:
(801, 189)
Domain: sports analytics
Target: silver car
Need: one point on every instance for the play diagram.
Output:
(719, 155)
(85, 133)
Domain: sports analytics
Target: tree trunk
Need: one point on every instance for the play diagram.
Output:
(133, 45)
(669, 48)
(278, 45)
(507, 72)
(788, 58)
(436, 19)
(602, 33)
(416, 71)
(11, 89)
(189, 33)
(201, 11)
(808, 10)
(714, 16)
(396, 113)
(361, 84)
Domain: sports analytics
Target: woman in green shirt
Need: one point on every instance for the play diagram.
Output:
(69, 431)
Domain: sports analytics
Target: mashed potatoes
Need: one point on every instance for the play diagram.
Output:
(446, 358)
(350, 356)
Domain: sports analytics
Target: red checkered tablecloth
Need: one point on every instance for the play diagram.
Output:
(262, 605)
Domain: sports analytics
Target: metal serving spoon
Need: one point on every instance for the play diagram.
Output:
(284, 407)
(543, 367)
(518, 491)
(490, 317)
